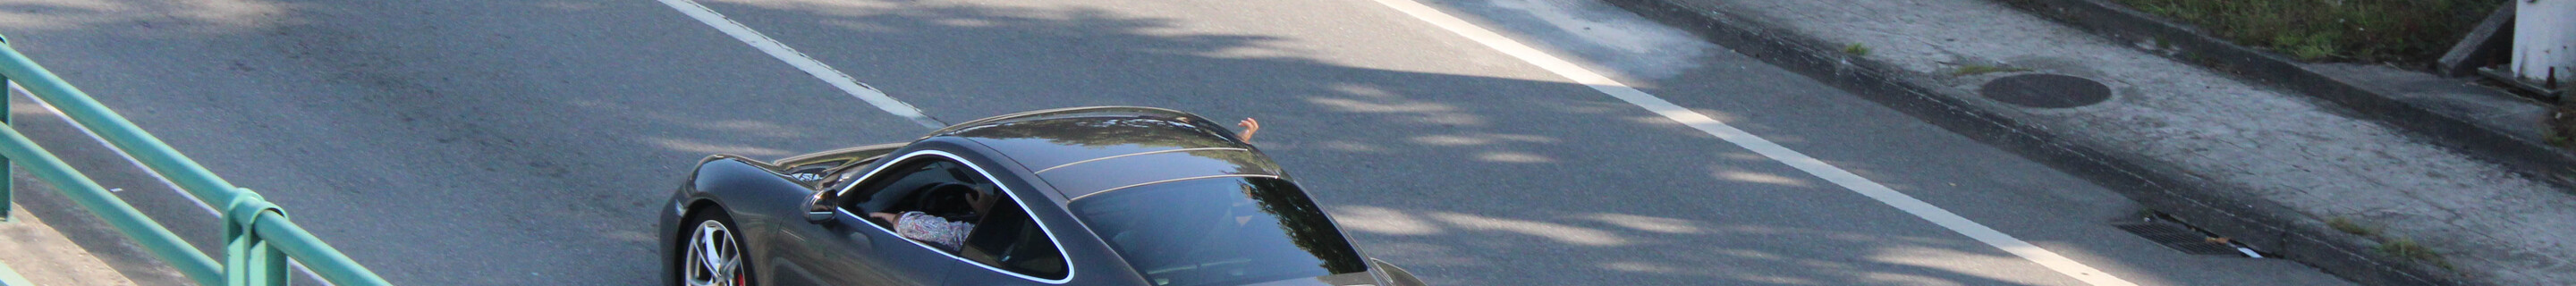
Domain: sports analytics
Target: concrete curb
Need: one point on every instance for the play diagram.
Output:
(2178, 192)
(2527, 154)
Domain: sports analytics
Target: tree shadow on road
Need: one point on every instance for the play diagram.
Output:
(1468, 177)
(549, 139)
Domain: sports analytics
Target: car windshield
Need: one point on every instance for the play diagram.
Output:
(1219, 231)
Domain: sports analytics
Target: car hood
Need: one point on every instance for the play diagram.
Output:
(1345, 279)
(1386, 275)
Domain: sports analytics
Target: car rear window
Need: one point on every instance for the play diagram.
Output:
(1219, 231)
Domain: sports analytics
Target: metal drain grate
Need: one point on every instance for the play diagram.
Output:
(2179, 238)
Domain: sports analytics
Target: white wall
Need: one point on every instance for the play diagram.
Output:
(2544, 38)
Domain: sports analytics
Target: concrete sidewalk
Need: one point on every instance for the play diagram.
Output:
(51, 240)
(46, 257)
(2291, 162)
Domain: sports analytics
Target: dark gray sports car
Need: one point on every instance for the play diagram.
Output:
(1077, 196)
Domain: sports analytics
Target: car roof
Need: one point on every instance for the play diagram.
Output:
(1080, 151)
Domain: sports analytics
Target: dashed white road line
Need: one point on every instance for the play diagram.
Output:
(802, 62)
(1793, 158)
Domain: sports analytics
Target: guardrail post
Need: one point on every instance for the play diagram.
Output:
(8, 173)
(249, 260)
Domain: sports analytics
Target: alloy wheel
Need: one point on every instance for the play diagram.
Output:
(714, 258)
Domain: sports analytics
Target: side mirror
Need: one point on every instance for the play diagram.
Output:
(818, 207)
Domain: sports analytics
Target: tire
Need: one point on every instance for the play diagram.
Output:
(695, 266)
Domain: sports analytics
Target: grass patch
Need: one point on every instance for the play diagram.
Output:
(1969, 70)
(2347, 226)
(2408, 31)
(1856, 49)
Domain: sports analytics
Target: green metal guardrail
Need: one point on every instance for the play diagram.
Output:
(258, 239)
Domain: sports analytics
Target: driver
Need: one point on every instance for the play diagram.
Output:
(936, 230)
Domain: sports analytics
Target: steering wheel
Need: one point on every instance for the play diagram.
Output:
(945, 200)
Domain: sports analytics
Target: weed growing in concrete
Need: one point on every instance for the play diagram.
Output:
(2347, 226)
(2407, 248)
(2314, 47)
(2561, 126)
(1856, 49)
(1969, 70)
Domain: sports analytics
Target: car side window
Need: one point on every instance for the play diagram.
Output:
(1008, 239)
(904, 187)
(1002, 234)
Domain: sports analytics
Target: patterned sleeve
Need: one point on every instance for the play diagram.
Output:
(932, 229)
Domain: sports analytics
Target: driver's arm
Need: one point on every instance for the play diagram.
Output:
(947, 235)
(887, 217)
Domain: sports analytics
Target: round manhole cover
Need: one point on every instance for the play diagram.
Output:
(2046, 90)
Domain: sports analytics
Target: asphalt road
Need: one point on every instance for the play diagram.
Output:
(528, 142)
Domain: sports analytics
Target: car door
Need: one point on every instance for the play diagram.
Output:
(849, 249)
(1009, 247)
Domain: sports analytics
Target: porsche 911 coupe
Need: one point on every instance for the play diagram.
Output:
(1076, 196)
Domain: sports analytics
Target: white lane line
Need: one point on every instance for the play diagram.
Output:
(802, 62)
(138, 165)
(1801, 161)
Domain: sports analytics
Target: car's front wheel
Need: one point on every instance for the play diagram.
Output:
(714, 256)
